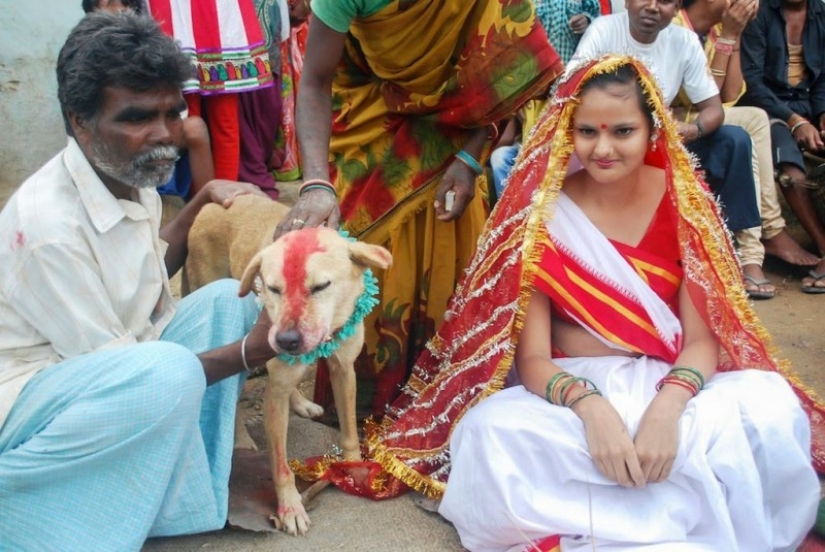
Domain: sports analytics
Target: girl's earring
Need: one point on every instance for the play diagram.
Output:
(653, 138)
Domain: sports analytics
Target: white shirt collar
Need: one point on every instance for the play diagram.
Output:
(104, 209)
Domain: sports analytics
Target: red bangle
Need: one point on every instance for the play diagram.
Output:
(676, 381)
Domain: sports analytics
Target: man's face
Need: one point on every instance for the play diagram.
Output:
(648, 17)
(133, 141)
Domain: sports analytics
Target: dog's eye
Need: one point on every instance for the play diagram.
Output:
(274, 290)
(319, 287)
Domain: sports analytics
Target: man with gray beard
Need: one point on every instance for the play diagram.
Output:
(116, 403)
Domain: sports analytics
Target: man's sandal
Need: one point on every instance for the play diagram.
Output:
(757, 293)
(812, 287)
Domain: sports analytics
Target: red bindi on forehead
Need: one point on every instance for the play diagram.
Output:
(299, 247)
(603, 126)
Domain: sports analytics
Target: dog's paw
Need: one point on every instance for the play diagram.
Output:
(304, 407)
(292, 518)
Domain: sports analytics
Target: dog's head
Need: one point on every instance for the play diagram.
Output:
(311, 281)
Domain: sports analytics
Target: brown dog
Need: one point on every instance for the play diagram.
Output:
(221, 244)
(311, 281)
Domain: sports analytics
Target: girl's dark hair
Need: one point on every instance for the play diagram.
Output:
(135, 5)
(625, 75)
(120, 50)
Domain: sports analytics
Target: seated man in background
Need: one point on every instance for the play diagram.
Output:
(719, 27)
(676, 58)
(783, 62)
(116, 403)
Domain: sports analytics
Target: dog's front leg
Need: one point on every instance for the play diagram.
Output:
(291, 516)
(342, 376)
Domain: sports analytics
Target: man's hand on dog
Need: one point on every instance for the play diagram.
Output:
(258, 348)
(224, 192)
(313, 208)
(461, 180)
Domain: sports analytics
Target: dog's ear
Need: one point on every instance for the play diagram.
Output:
(366, 254)
(249, 274)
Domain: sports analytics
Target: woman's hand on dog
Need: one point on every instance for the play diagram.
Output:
(313, 208)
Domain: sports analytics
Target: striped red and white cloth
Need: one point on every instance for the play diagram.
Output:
(224, 40)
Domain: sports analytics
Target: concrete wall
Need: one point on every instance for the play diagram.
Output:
(31, 34)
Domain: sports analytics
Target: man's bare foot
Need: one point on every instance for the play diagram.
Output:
(756, 284)
(815, 281)
(785, 247)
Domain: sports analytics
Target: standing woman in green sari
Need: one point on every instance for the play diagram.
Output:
(395, 112)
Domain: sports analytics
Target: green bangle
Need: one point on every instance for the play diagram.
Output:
(305, 189)
(564, 387)
(696, 373)
(700, 130)
(470, 161)
(548, 391)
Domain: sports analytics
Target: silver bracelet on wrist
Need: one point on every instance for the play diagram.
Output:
(243, 354)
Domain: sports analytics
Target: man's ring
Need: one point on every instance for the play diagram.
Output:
(297, 221)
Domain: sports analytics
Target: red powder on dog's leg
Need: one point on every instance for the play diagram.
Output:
(19, 240)
(300, 245)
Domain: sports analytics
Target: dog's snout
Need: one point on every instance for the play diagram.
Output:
(288, 340)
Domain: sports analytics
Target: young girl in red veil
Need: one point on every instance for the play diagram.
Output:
(644, 406)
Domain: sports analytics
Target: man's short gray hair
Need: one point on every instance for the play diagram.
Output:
(121, 50)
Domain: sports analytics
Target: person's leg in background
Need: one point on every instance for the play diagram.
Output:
(751, 256)
(260, 118)
(776, 239)
(790, 163)
(727, 158)
(199, 146)
(501, 162)
(221, 112)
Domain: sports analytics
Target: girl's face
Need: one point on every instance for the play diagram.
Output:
(611, 134)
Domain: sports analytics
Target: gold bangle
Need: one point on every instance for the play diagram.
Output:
(718, 72)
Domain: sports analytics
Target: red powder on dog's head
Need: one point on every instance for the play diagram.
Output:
(300, 245)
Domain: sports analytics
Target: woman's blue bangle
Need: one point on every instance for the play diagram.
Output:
(468, 160)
